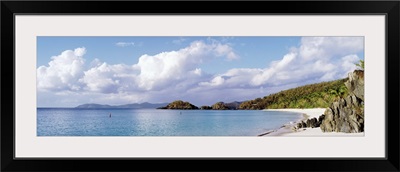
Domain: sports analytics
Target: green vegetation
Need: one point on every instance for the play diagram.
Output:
(219, 106)
(360, 64)
(205, 108)
(179, 104)
(308, 96)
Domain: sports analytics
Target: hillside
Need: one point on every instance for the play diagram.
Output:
(92, 106)
(307, 96)
(179, 104)
(127, 106)
(226, 106)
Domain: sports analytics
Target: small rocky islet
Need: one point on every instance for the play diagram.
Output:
(181, 105)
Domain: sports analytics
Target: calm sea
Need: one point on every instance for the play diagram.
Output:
(153, 122)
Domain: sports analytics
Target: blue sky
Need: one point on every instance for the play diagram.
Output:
(202, 70)
(254, 51)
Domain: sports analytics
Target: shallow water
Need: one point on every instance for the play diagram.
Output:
(154, 122)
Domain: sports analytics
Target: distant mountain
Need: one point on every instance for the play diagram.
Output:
(93, 106)
(145, 105)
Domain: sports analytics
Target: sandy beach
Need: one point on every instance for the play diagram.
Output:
(287, 129)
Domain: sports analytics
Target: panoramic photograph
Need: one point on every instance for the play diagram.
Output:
(252, 86)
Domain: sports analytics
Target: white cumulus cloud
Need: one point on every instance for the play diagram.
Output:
(164, 71)
(62, 72)
(316, 59)
(110, 78)
(161, 70)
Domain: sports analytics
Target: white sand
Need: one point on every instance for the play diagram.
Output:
(309, 113)
(318, 132)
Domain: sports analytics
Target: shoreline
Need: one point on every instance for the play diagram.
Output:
(287, 129)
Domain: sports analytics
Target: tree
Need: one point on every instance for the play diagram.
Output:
(219, 106)
(360, 64)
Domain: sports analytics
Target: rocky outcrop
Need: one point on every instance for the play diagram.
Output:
(179, 104)
(355, 84)
(313, 122)
(320, 119)
(310, 123)
(347, 114)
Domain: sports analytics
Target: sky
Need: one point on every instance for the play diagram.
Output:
(202, 70)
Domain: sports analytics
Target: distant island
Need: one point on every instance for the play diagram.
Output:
(179, 104)
(182, 105)
(144, 105)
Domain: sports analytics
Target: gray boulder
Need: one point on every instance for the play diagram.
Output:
(320, 119)
(312, 123)
(355, 84)
(303, 124)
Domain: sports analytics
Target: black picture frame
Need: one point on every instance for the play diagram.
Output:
(389, 8)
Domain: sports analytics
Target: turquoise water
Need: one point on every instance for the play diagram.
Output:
(153, 122)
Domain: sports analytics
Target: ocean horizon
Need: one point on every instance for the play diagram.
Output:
(157, 122)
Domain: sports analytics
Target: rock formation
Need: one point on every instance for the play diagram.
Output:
(313, 122)
(310, 123)
(347, 114)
